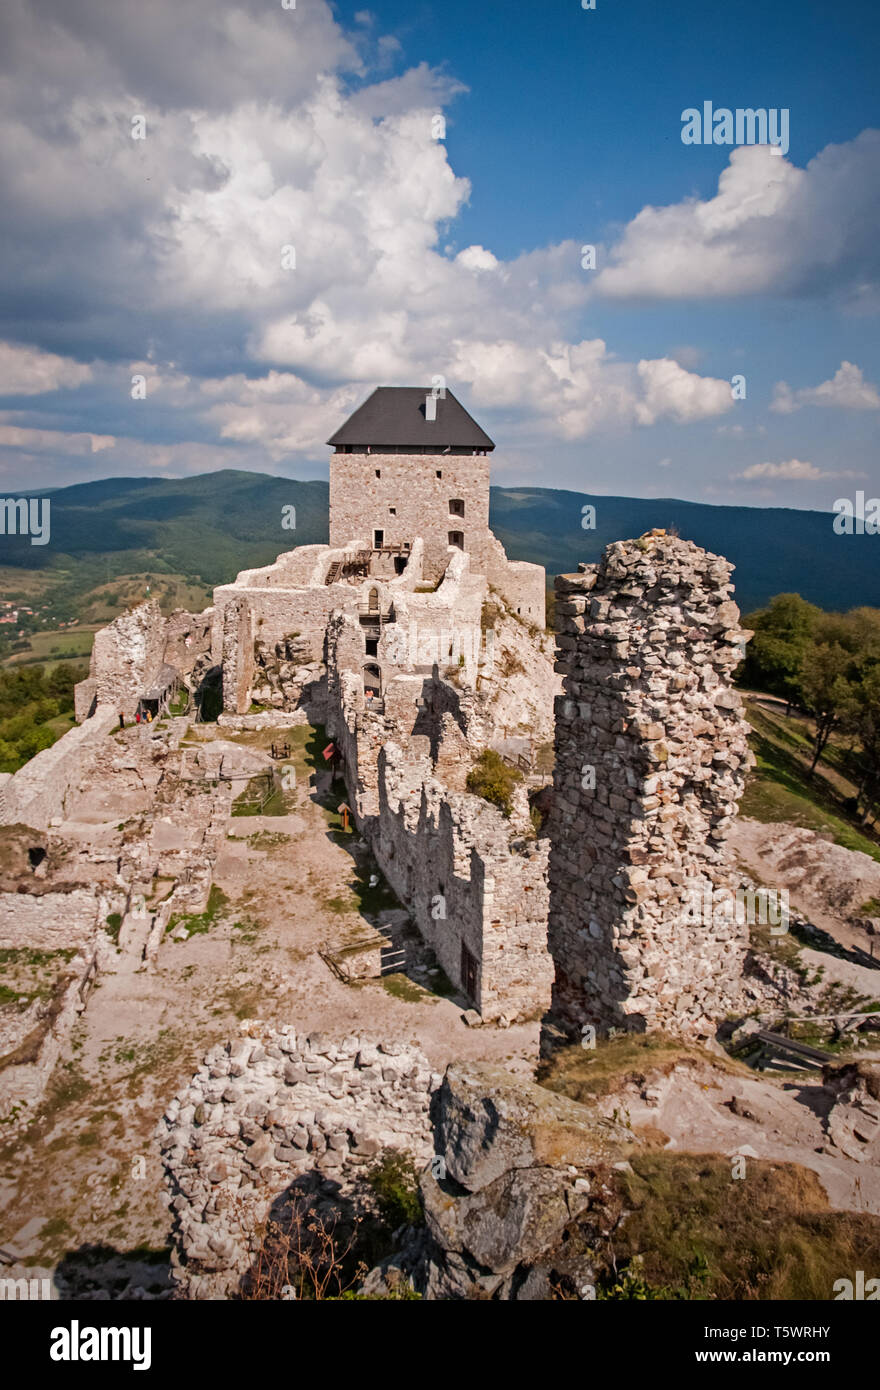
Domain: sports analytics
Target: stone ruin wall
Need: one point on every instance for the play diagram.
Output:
(41, 791)
(647, 641)
(127, 656)
(522, 586)
(431, 842)
(187, 637)
(54, 920)
(266, 1116)
(237, 654)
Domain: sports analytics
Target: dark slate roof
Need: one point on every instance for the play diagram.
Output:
(395, 416)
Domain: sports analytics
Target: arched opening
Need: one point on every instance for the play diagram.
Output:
(456, 506)
(373, 601)
(456, 539)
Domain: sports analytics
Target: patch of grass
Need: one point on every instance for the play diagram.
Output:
(586, 1074)
(785, 949)
(395, 1185)
(693, 1232)
(493, 780)
(261, 797)
(248, 931)
(399, 986)
(198, 922)
(13, 996)
(146, 1059)
(66, 1086)
(779, 788)
(56, 1228)
(114, 922)
(27, 956)
(340, 907)
(243, 1000)
(871, 908)
(267, 839)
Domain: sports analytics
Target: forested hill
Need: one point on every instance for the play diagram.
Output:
(214, 524)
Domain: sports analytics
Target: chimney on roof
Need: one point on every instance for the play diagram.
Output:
(431, 407)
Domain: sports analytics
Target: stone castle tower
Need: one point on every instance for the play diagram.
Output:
(411, 463)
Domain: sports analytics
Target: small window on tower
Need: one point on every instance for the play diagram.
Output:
(439, 472)
(456, 506)
(393, 511)
(378, 472)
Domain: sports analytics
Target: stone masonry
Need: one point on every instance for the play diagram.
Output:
(651, 756)
(408, 495)
(273, 1114)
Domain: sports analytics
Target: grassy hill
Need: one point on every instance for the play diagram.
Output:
(775, 549)
(205, 528)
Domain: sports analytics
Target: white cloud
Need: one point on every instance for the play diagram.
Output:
(847, 390)
(26, 371)
(476, 258)
(771, 227)
(38, 441)
(255, 142)
(673, 393)
(792, 471)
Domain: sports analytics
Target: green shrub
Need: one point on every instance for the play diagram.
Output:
(395, 1184)
(493, 780)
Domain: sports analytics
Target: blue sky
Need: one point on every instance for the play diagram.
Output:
(160, 257)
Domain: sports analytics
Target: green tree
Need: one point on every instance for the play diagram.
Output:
(783, 634)
(829, 679)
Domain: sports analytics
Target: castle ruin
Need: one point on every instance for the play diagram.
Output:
(414, 643)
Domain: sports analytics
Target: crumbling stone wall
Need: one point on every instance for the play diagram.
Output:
(52, 920)
(237, 655)
(276, 1111)
(42, 790)
(187, 636)
(651, 756)
(470, 878)
(129, 653)
(523, 586)
(126, 657)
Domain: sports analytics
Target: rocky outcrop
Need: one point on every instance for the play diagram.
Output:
(516, 1196)
(284, 672)
(853, 1122)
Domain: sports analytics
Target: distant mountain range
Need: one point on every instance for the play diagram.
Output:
(215, 524)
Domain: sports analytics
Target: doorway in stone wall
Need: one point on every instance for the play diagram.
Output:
(468, 973)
